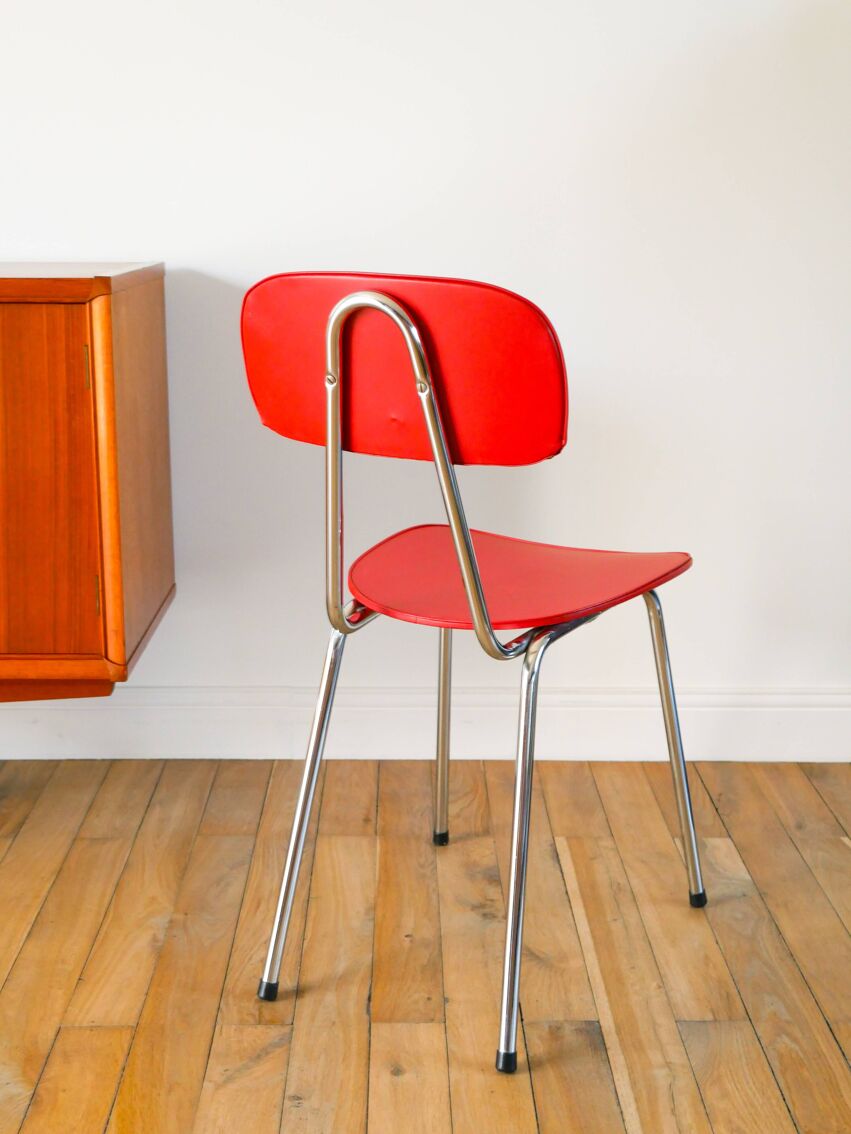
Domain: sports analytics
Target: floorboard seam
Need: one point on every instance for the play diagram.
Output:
(108, 905)
(823, 797)
(317, 803)
(758, 895)
(162, 945)
(235, 927)
(96, 934)
(71, 842)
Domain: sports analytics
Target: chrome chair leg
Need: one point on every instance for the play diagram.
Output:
(268, 987)
(444, 697)
(697, 894)
(506, 1056)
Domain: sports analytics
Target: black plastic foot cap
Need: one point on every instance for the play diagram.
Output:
(267, 990)
(506, 1061)
(441, 838)
(698, 900)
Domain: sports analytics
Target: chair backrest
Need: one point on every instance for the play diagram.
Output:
(495, 360)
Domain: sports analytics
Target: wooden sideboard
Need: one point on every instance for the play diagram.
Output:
(86, 553)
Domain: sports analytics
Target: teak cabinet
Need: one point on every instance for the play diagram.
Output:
(86, 553)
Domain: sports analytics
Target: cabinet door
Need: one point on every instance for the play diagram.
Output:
(49, 544)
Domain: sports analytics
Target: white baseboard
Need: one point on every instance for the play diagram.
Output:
(623, 724)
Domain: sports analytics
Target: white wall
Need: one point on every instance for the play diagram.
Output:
(670, 182)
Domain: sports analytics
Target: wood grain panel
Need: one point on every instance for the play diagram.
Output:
(132, 357)
(407, 983)
(406, 798)
(244, 1082)
(803, 1054)
(42, 688)
(735, 1079)
(50, 570)
(807, 920)
(813, 828)
(21, 783)
(833, 783)
(574, 1090)
(349, 798)
(122, 799)
(37, 991)
(236, 799)
(165, 1069)
(32, 862)
(118, 971)
(337, 965)
(469, 814)
(796, 802)
(49, 670)
(573, 803)
(696, 977)
(409, 1079)
(79, 1081)
(830, 861)
(407, 970)
(655, 1082)
(327, 1079)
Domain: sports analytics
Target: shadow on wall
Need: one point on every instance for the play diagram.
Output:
(240, 498)
(227, 468)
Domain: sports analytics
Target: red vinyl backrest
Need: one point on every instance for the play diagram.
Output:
(496, 365)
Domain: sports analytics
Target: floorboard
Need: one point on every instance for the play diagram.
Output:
(21, 783)
(696, 977)
(813, 828)
(119, 969)
(734, 1078)
(42, 980)
(79, 1080)
(35, 857)
(244, 1082)
(653, 1073)
(409, 1079)
(137, 900)
(809, 923)
(833, 783)
(801, 1048)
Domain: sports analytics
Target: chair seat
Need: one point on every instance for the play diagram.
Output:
(414, 575)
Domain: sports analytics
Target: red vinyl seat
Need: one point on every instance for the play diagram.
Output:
(413, 575)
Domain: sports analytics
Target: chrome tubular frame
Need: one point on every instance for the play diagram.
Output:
(348, 619)
(346, 616)
(268, 988)
(441, 780)
(506, 1056)
(697, 895)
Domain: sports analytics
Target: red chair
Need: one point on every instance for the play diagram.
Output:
(489, 389)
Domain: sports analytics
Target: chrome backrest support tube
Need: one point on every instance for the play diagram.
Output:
(353, 616)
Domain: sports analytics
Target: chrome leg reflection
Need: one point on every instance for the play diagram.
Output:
(268, 988)
(444, 698)
(506, 1056)
(697, 894)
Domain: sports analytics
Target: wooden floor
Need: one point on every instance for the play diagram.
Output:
(135, 902)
